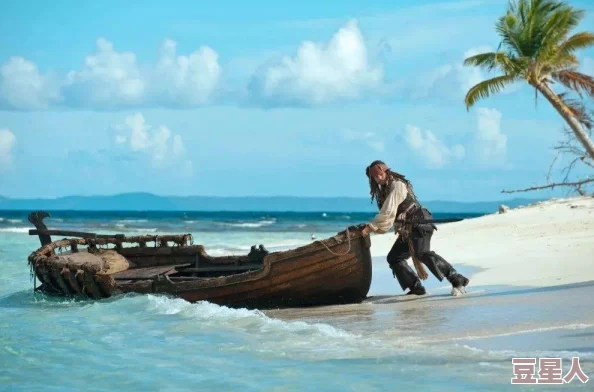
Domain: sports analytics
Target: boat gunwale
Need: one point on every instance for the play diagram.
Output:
(45, 253)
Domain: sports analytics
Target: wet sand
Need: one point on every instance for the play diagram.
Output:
(489, 326)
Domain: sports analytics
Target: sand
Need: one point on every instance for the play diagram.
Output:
(530, 296)
(545, 244)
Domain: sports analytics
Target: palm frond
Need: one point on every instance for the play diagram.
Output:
(487, 88)
(556, 28)
(577, 41)
(487, 61)
(496, 60)
(507, 28)
(557, 63)
(575, 81)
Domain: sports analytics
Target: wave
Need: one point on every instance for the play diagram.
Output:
(210, 314)
(509, 354)
(305, 339)
(14, 229)
(263, 334)
(140, 231)
(252, 225)
(232, 249)
(124, 221)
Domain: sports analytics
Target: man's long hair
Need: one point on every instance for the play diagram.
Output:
(379, 192)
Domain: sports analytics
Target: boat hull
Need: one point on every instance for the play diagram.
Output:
(336, 270)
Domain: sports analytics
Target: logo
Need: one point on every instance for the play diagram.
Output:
(550, 371)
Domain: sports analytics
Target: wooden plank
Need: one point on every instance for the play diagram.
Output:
(70, 233)
(243, 267)
(145, 273)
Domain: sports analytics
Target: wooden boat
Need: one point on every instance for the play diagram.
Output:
(336, 270)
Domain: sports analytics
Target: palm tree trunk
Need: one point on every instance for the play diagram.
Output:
(564, 111)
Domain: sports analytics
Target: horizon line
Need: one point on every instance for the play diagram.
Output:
(252, 197)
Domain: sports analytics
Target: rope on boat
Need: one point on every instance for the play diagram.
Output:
(339, 254)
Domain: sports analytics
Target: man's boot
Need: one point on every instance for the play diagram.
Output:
(459, 283)
(417, 289)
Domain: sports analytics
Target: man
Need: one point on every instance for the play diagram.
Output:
(396, 200)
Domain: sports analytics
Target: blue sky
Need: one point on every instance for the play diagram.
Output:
(262, 98)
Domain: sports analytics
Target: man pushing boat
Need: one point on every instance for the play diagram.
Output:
(398, 206)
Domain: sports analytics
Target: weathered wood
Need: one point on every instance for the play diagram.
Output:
(74, 246)
(36, 218)
(79, 276)
(92, 289)
(106, 284)
(70, 277)
(145, 273)
(334, 270)
(223, 268)
(59, 279)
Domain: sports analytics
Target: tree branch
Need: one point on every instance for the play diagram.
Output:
(535, 188)
(585, 160)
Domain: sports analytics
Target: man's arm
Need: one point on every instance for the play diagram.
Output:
(384, 220)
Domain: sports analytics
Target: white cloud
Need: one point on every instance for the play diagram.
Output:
(178, 145)
(320, 73)
(159, 143)
(477, 50)
(490, 142)
(425, 85)
(369, 138)
(7, 142)
(112, 79)
(186, 80)
(453, 81)
(22, 86)
(430, 149)
(108, 78)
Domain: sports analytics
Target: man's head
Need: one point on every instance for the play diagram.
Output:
(378, 172)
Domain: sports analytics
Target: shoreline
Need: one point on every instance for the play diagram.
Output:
(543, 244)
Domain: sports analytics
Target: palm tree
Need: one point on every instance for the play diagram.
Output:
(536, 47)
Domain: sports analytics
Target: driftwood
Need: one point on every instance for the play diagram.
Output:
(568, 147)
(552, 186)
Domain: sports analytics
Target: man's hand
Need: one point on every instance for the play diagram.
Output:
(366, 230)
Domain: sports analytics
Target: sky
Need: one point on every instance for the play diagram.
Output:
(263, 98)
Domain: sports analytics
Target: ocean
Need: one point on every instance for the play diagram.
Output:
(160, 343)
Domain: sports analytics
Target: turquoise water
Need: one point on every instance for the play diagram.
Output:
(158, 343)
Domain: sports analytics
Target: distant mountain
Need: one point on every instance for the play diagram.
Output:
(151, 202)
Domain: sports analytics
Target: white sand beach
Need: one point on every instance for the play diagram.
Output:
(544, 244)
(531, 273)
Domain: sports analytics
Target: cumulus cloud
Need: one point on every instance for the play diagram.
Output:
(430, 149)
(7, 142)
(22, 86)
(452, 81)
(368, 138)
(107, 78)
(158, 143)
(187, 80)
(114, 79)
(490, 142)
(319, 73)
